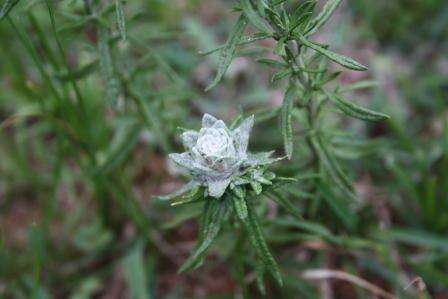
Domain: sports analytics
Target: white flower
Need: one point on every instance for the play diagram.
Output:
(216, 156)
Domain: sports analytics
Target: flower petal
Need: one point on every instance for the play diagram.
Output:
(241, 135)
(217, 188)
(189, 138)
(208, 120)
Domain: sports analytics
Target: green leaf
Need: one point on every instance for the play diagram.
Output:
(305, 225)
(271, 62)
(120, 19)
(419, 238)
(239, 203)
(254, 18)
(228, 52)
(339, 205)
(7, 7)
(243, 41)
(80, 73)
(214, 212)
(186, 189)
(194, 195)
(135, 272)
(259, 243)
(304, 8)
(288, 104)
(323, 16)
(345, 61)
(280, 75)
(332, 167)
(107, 68)
(123, 143)
(284, 203)
(358, 85)
(259, 271)
(280, 47)
(239, 191)
(256, 186)
(356, 111)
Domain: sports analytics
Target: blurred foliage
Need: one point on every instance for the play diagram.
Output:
(404, 23)
(90, 106)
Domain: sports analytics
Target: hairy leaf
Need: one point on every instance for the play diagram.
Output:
(253, 17)
(288, 104)
(259, 243)
(228, 52)
(323, 16)
(345, 61)
(239, 203)
(121, 21)
(332, 166)
(213, 214)
(356, 111)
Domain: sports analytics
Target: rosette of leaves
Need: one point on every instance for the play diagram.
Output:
(229, 180)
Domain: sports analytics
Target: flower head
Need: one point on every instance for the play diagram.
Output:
(216, 156)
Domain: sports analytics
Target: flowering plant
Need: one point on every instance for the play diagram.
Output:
(217, 157)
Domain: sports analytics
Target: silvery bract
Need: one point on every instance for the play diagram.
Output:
(217, 156)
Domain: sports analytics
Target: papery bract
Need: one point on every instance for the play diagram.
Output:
(215, 156)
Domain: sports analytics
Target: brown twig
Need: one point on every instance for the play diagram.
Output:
(318, 274)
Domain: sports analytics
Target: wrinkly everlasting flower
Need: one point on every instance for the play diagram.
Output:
(217, 157)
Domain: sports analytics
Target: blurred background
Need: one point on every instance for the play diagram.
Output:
(88, 115)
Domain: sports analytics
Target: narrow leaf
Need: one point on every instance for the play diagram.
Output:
(259, 243)
(271, 62)
(135, 273)
(288, 104)
(78, 74)
(239, 203)
(253, 17)
(212, 226)
(121, 146)
(358, 85)
(244, 41)
(323, 16)
(120, 19)
(332, 167)
(228, 52)
(7, 7)
(356, 111)
(280, 75)
(107, 68)
(284, 203)
(345, 61)
(256, 186)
